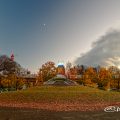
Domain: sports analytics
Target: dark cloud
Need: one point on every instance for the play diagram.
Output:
(105, 51)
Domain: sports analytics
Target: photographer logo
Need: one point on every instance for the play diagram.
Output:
(112, 109)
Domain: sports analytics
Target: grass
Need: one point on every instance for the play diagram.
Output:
(80, 94)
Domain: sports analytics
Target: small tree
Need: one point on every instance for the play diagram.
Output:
(12, 81)
(19, 83)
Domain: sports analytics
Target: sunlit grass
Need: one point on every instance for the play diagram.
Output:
(61, 94)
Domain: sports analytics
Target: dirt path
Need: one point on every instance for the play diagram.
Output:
(34, 114)
(59, 106)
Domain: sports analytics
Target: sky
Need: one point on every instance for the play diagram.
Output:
(37, 31)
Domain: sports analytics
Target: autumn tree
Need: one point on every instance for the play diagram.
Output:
(115, 81)
(104, 78)
(7, 66)
(12, 81)
(19, 83)
(47, 71)
(90, 77)
(7, 82)
(73, 73)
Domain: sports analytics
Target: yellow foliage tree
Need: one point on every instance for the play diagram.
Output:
(47, 71)
(104, 78)
(12, 81)
(90, 77)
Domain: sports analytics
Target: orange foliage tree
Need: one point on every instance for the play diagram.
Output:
(115, 81)
(47, 71)
(90, 77)
(104, 78)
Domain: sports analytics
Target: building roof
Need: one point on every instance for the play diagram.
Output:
(61, 66)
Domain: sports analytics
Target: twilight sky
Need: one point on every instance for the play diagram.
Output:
(57, 30)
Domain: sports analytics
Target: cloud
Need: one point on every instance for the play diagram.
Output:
(105, 51)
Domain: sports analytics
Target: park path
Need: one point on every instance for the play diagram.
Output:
(8, 113)
(57, 106)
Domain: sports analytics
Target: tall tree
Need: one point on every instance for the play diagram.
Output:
(47, 71)
(7, 66)
(104, 78)
(90, 76)
(115, 72)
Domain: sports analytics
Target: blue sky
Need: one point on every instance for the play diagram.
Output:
(57, 30)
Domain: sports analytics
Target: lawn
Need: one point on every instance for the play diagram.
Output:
(65, 97)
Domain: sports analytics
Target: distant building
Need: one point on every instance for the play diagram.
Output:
(30, 79)
(61, 69)
(12, 57)
(75, 72)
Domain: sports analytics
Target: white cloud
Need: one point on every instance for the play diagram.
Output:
(105, 51)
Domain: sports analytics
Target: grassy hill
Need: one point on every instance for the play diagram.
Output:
(67, 96)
